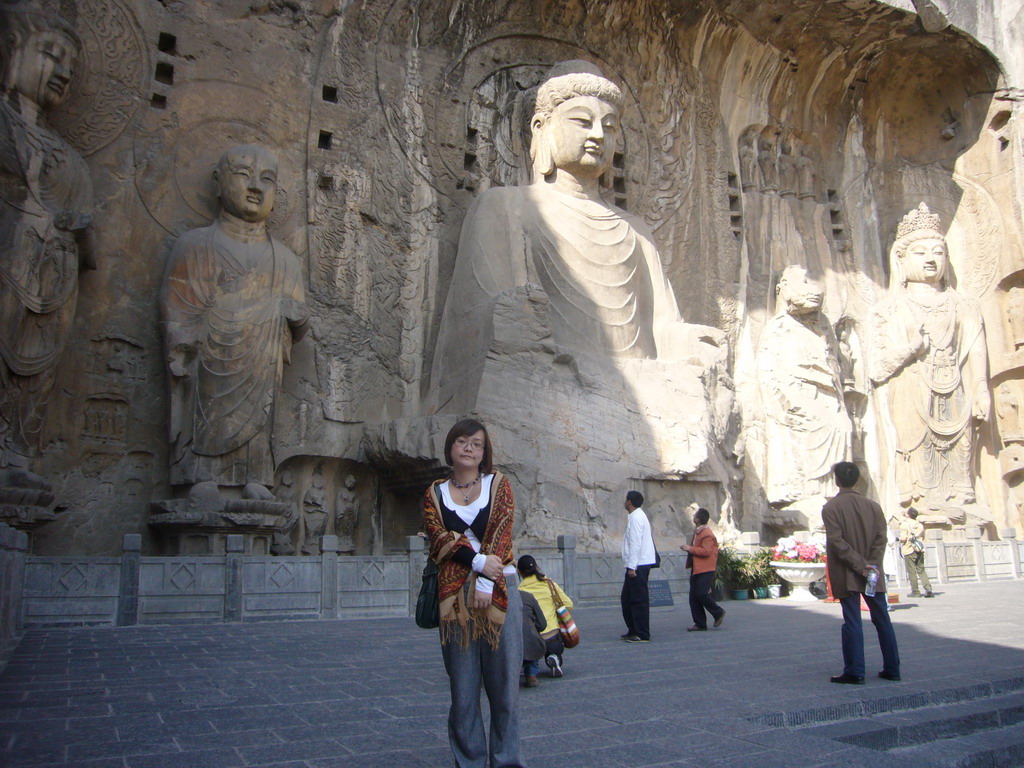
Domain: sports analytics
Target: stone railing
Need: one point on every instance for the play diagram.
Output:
(13, 546)
(132, 589)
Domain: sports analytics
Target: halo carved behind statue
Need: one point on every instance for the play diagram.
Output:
(110, 77)
(491, 82)
(175, 165)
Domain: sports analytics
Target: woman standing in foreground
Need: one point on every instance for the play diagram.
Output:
(468, 521)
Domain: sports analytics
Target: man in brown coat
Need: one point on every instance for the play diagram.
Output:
(855, 534)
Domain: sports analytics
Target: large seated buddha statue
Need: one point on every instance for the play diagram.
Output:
(560, 325)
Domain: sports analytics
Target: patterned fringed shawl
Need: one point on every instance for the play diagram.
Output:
(455, 612)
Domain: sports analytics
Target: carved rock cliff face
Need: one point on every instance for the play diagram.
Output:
(755, 135)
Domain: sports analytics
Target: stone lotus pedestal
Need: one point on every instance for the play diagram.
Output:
(800, 576)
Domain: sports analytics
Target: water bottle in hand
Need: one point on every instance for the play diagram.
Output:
(869, 588)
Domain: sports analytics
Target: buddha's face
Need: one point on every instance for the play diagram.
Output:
(42, 67)
(247, 182)
(925, 260)
(799, 293)
(583, 133)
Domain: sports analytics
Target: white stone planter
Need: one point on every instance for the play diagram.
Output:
(799, 576)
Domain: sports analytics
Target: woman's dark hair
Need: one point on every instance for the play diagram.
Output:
(527, 566)
(466, 428)
(703, 515)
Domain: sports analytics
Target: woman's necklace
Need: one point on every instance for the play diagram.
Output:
(465, 487)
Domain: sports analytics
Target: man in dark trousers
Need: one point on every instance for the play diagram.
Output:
(702, 558)
(638, 555)
(856, 536)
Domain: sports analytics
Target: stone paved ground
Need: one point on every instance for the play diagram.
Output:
(374, 693)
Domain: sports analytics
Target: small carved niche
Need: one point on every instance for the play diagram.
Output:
(735, 205)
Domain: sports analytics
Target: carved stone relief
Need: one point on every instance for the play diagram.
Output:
(46, 210)
(808, 428)
(929, 364)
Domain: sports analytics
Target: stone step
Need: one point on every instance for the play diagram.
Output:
(981, 732)
(898, 702)
(1002, 748)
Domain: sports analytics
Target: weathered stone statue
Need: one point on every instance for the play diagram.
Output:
(807, 425)
(805, 172)
(559, 310)
(788, 181)
(767, 160)
(231, 307)
(1015, 316)
(314, 513)
(1008, 413)
(930, 366)
(281, 541)
(595, 262)
(346, 514)
(45, 216)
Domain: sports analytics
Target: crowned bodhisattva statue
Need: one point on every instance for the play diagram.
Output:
(46, 210)
(929, 363)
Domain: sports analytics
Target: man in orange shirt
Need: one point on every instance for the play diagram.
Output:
(702, 557)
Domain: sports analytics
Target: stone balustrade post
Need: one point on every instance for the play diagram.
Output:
(234, 545)
(13, 551)
(328, 577)
(973, 534)
(1009, 535)
(415, 547)
(567, 546)
(128, 592)
(933, 536)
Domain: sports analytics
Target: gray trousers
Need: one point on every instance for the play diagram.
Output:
(498, 672)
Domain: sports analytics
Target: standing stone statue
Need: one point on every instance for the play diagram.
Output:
(1015, 315)
(596, 263)
(807, 426)
(930, 366)
(346, 514)
(232, 305)
(46, 208)
(767, 160)
(314, 513)
(788, 181)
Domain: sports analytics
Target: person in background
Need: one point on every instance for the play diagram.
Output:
(702, 559)
(540, 586)
(912, 549)
(638, 555)
(855, 537)
(533, 644)
(468, 520)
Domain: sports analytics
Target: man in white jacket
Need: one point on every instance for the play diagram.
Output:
(638, 556)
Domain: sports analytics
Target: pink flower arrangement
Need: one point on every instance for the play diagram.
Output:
(792, 550)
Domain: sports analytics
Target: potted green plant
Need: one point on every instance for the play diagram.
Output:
(730, 575)
(761, 574)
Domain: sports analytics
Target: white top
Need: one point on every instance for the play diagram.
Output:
(467, 513)
(637, 543)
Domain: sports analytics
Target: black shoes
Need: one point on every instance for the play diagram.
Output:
(635, 639)
(886, 676)
(695, 628)
(845, 679)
